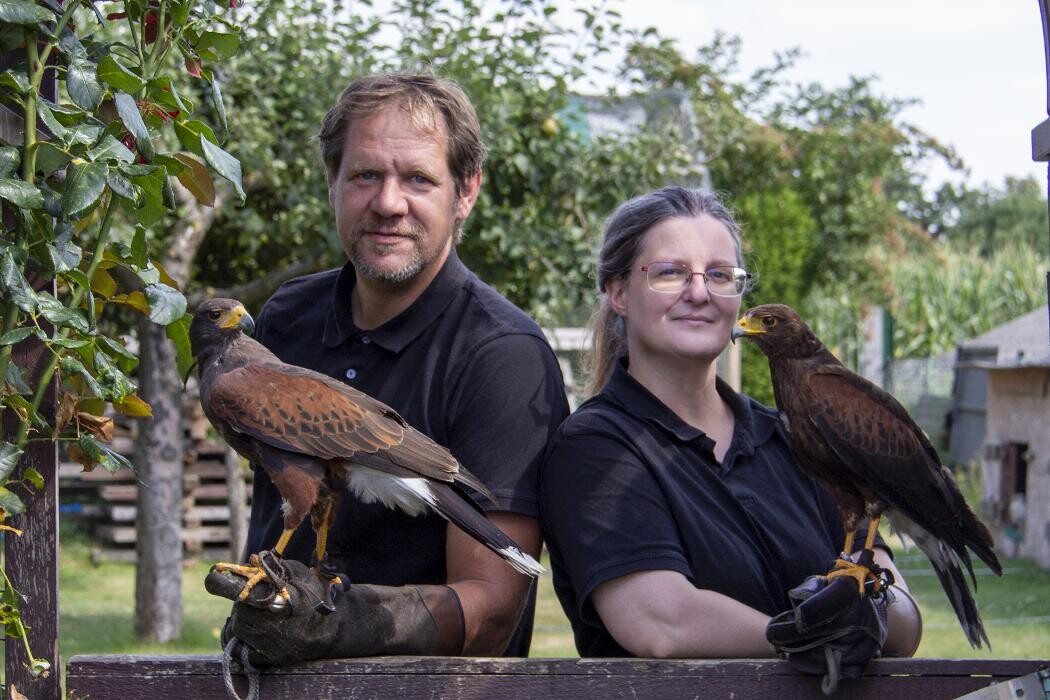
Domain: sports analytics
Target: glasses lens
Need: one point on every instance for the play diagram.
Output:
(667, 277)
(726, 281)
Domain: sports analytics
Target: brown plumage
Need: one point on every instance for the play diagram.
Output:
(316, 436)
(859, 443)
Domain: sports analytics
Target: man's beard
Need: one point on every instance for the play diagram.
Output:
(420, 258)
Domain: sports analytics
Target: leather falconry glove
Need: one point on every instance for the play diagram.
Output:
(321, 621)
(831, 630)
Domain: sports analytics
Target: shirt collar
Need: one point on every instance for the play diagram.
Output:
(754, 424)
(401, 330)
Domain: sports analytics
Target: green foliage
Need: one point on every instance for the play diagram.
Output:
(990, 218)
(942, 300)
(94, 153)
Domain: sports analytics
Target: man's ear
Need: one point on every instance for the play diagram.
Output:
(468, 195)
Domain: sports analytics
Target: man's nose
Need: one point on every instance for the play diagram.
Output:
(390, 200)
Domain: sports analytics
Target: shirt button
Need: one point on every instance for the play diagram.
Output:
(366, 339)
(351, 373)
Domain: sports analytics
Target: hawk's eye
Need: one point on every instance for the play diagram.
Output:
(215, 315)
(769, 321)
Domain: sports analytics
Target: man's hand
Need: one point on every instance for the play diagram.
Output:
(367, 619)
(830, 630)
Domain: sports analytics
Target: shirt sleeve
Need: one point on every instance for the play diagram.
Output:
(507, 403)
(604, 515)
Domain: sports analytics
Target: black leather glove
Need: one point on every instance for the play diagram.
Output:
(366, 619)
(831, 629)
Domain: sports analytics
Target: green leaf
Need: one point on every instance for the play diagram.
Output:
(17, 335)
(151, 189)
(101, 454)
(83, 85)
(109, 148)
(166, 305)
(64, 253)
(224, 164)
(50, 158)
(132, 118)
(220, 106)
(84, 188)
(9, 456)
(179, 333)
(9, 501)
(162, 92)
(189, 133)
(71, 343)
(16, 381)
(60, 314)
(15, 285)
(117, 76)
(43, 109)
(16, 80)
(21, 193)
(139, 251)
(9, 161)
(216, 46)
(33, 477)
(71, 366)
(23, 12)
(123, 186)
(114, 382)
(125, 359)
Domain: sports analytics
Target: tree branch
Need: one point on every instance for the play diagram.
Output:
(259, 289)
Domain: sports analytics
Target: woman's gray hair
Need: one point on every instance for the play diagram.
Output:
(625, 232)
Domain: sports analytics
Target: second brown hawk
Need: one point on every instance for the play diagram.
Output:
(861, 445)
(316, 437)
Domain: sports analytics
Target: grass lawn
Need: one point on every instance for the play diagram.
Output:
(97, 610)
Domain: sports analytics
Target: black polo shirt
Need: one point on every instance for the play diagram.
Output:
(628, 486)
(464, 366)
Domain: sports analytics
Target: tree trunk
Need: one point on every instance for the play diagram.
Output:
(158, 455)
(237, 496)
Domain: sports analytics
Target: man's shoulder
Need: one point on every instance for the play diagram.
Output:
(297, 309)
(302, 290)
(493, 314)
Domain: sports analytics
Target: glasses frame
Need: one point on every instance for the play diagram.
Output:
(688, 280)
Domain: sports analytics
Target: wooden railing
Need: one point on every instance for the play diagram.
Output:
(124, 677)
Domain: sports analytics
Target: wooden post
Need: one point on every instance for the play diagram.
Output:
(1041, 133)
(32, 558)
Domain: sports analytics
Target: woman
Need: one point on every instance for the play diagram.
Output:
(674, 514)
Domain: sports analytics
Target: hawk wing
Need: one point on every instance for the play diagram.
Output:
(881, 446)
(299, 410)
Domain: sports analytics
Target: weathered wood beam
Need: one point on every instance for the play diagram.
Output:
(122, 677)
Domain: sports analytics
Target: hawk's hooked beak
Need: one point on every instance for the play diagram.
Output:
(238, 316)
(743, 328)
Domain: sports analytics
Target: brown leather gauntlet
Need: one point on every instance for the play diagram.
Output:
(367, 619)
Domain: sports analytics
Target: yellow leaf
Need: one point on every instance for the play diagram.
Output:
(196, 179)
(94, 406)
(15, 695)
(103, 284)
(8, 528)
(136, 300)
(133, 406)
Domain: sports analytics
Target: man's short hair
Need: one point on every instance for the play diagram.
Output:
(422, 96)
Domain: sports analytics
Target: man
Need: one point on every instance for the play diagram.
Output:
(406, 322)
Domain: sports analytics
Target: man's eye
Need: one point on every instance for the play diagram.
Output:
(717, 275)
(421, 180)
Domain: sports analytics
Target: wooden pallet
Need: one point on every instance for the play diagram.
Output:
(107, 500)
